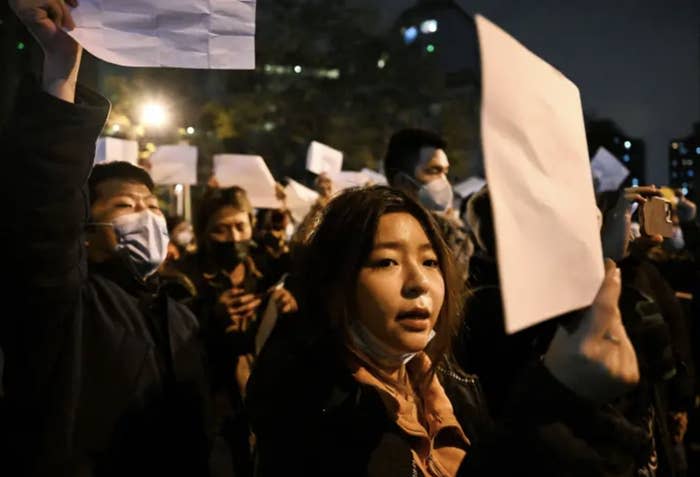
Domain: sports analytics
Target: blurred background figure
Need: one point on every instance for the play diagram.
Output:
(235, 283)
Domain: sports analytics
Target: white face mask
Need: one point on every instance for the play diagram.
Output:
(142, 239)
(677, 242)
(363, 339)
(436, 195)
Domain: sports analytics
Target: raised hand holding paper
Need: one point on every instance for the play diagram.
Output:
(207, 34)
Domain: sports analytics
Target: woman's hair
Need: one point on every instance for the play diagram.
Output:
(330, 262)
(214, 200)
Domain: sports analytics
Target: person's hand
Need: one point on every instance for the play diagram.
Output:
(596, 360)
(280, 194)
(239, 307)
(213, 183)
(46, 20)
(284, 301)
(641, 193)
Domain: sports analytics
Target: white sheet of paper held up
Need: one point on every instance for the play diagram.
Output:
(299, 199)
(250, 173)
(323, 159)
(346, 179)
(550, 258)
(174, 164)
(375, 177)
(607, 170)
(206, 34)
(111, 149)
(469, 186)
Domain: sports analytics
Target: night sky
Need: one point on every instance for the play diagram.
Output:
(635, 62)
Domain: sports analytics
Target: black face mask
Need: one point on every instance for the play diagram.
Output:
(229, 254)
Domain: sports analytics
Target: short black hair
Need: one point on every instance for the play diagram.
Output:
(121, 170)
(403, 151)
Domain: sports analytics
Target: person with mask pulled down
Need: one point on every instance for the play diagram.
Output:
(104, 373)
(236, 284)
(365, 385)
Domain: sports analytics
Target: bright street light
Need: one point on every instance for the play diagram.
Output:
(154, 114)
(190, 130)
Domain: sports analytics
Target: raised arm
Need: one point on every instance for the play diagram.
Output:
(50, 145)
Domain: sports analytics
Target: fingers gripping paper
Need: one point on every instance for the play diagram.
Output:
(549, 251)
(208, 34)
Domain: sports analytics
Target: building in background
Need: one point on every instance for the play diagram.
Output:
(684, 163)
(630, 151)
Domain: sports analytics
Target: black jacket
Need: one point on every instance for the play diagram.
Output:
(311, 417)
(104, 376)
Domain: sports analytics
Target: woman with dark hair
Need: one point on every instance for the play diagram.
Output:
(361, 384)
(234, 287)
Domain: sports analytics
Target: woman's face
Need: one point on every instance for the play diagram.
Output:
(400, 288)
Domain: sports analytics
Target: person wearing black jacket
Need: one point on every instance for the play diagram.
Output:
(105, 375)
(360, 382)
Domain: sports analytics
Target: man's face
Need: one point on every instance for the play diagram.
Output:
(229, 224)
(432, 165)
(116, 197)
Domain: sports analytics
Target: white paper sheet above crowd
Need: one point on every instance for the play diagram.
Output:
(111, 149)
(299, 199)
(467, 187)
(346, 179)
(550, 257)
(375, 177)
(174, 164)
(207, 34)
(252, 174)
(608, 172)
(321, 159)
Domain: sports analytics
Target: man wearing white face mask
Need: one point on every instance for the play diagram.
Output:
(416, 163)
(104, 373)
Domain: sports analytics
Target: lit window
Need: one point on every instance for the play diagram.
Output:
(410, 34)
(429, 26)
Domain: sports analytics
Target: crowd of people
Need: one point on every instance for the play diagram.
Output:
(368, 339)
